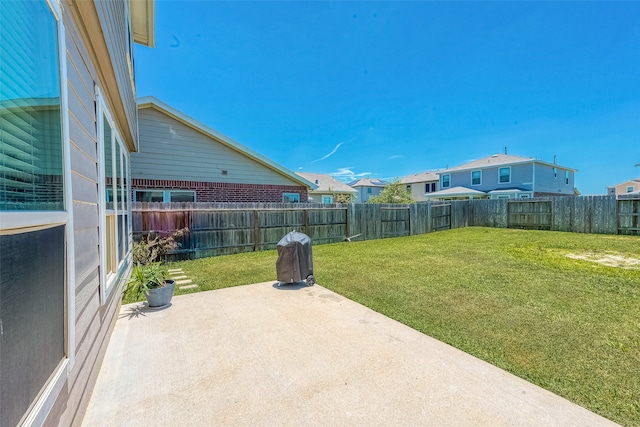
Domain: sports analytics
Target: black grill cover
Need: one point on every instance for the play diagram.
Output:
(295, 261)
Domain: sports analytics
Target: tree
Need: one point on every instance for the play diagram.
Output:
(393, 192)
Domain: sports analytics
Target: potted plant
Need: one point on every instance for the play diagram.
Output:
(152, 281)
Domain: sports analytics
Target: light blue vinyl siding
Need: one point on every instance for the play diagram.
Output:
(546, 182)
(521, 177)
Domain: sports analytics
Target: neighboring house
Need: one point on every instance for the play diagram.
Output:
(329, 190)
(68, 121)
(627, 187)
(421, 183)
(366, 188)
(503, 176)
(182, 160)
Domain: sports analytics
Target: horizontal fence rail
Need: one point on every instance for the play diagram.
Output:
(226, 228)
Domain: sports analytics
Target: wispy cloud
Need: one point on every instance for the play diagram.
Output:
(330, 154)
(346, 174)
(396, 156)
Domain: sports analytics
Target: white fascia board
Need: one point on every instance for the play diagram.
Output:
(152, 102)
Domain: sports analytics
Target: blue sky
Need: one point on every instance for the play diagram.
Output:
(387, 89)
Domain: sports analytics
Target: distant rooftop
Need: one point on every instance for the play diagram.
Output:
(497, 160)
(326, 183)
(367, 182)
(420, 177)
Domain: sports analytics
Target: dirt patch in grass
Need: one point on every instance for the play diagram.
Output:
(608, 259)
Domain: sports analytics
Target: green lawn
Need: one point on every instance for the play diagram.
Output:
(510, 297)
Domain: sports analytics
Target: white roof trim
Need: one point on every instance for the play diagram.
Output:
(152, 102)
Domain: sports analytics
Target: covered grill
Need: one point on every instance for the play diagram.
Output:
(295, 260)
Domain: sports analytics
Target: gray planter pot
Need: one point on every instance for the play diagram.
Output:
(161, 297)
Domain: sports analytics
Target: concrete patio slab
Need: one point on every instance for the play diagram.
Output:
(259, 355)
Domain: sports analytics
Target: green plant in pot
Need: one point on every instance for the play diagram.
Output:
(153, 282)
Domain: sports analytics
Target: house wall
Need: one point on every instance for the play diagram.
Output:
(548, 181)
(418, 189)
(521, 177)
(171, 150)
(114, 21)
(94, 316)
(621, 189)
(363, 195)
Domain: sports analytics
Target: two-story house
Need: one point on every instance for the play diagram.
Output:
(624, 188)
(422, 184)
(366, 188)
(504, 176)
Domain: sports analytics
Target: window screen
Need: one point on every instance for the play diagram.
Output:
(32, 308)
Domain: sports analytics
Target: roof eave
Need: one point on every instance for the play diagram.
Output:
(143, 22)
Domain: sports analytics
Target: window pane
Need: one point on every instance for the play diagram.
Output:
(149, 196)
(118, 174)
(182, 196)
(505, 174)
(446, 180)
(108, 163)
(475, 178)
(290, 198)
(30, 133)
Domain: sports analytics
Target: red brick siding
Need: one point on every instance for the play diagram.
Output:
(224, 192)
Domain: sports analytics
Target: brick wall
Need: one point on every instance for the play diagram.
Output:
(223, 192)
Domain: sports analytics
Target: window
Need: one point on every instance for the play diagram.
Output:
(524, 196)
(555, 172)
(476, 177)
(30, 121)
(369, 190)
(164, 196)
(504, 175)
(115, 229)
(408, 187)
(433, 187)
(566, 177)
(35, 238)
(327, 199)
(290, 198)
(630, 189)
(445, 181)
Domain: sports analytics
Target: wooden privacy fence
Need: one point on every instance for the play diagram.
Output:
(225, 228)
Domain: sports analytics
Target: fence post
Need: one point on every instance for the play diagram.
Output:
(306, 221)
(256, 230)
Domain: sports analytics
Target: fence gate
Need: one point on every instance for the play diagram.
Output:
(529, 215)
(441, 217)
(629, 216)
(395, 221)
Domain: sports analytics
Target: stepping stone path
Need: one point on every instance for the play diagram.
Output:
(178, 275)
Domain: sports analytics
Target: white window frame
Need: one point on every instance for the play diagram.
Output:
(479, 183)
(566, 177)
(442, 180)
(109, 280)
(30, 221)
(166, 194)
(504, 182)
(295, 196)
(327, 199)
(630, 189)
